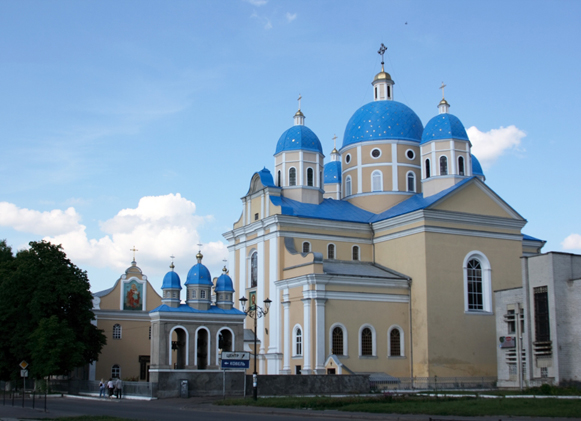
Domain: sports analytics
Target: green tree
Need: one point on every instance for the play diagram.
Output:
(45, 312)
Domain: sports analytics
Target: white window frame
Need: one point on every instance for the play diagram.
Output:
(345, 339)
(427, 168)
(334, 251)
(413, 174)
(358, 253)
(303, 247)
(290, 178)
(249, 265)
(118, 367)
(463, 165)
(218, 340)
(373, 341)
(294, 353)
(120, 335)
(440, 165)
(312, 177)
(348, 186)
(187, 343)
(376, 175)
(208, 353)
(375, 157)
(401, 342)
(486, 282)
(413, 153)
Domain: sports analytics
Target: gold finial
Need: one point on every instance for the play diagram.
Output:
(442, 88)
(224, 271)
(334, 144)
(199, 256)
(133, 250)
(171, 266)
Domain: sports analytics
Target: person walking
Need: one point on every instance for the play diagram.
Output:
(101, 389)
(110, 387)
(119, 388)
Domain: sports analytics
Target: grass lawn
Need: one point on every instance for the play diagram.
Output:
(428, 406)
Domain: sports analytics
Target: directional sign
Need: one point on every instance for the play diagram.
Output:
(235, 363)
(23, 365)
(236, 356)
(23, 373)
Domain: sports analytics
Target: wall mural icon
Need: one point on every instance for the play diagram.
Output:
(132, 293)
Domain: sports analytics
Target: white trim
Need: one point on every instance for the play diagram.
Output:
(486, 282)
(373, 340)
(394, 169)
(407, 182)
(120, 332)
(187, 344)
(218, 341)
(375, 157)
(303, 247)
(424, 172)
(350, 158)
(289, 177)
(294, 341)
(452, 163)
(358, 253)
(320, 335)
(406, 154)
(359, 296)
(401, 341)
(286, 327)
(345, 350)
(348, 182)
(440, 165)
(143, 282)
(300, 181)
(249, 269)
(306, 369)
(359, 171)
(334, 251)
(196, 346)
(314, 181)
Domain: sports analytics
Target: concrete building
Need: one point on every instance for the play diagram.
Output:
(544, 312)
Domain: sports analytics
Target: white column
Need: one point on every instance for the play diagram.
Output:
(274, 325)
(260, 291)
(320, 335)
(301, 169)
(283, 170)
(262, 205)
(359, 172)
(242, 273)
(307, 338)
(232, 266)
(317, 172)
(452, 158)
(286, 333)
(394, 171)
(243, 212)
(249, 211)
(435, 170)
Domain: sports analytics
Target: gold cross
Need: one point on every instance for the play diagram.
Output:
(133, 250)
(300, 97)
(335, 141)
(442, 88)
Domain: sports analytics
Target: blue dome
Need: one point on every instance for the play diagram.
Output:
(199, 275)
(476, 167)
(332, 172)
(171, 280)
(383, 120)
(224, 283)
(444, 126)
(299, 138)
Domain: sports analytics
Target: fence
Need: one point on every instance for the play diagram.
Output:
(433, 383)
(91, 387)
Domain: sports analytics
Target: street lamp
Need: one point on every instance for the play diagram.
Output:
(255, 312)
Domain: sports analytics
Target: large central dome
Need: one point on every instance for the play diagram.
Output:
(383, 120)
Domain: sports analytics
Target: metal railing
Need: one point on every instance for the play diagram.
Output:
(433, 383)
(83, 387)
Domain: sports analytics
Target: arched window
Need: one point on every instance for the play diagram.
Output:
(411, 178)
(203, 294)
(279, 178)
(306, 247)
(366, 342)
(310, 177)
(443, 165)
(298, 341)
(292, 177)
(116, 372)
(355, 252)
(337, 344)
(461, 165)
(376, 181)
(395, 343)
(331, 251)
(254, 270)
(428, 168)
(117, 331)
(348, 186)
(477, 283)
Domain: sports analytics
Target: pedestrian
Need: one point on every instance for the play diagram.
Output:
(110, 387)
(101, 389)
(119, 388)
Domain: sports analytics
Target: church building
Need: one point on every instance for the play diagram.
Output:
(385, 258)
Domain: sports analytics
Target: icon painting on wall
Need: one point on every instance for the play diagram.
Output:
(133, 293)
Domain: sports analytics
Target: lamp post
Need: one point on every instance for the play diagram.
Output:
(255, 312)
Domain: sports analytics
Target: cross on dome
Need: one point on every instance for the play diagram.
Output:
(382, 51)
(133, 250)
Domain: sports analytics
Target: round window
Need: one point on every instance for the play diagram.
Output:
(376, 153)
(410, 154)
(348, 158)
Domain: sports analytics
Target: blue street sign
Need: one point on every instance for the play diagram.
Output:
(235, 364)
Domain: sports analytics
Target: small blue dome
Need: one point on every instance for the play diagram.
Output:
(299, 138)
(332, 173)
(224, 283)
(171, 280)
(383, 120)
(476, 167)
(199, 275)
(444, 126)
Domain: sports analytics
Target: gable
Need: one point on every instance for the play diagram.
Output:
(478, 199)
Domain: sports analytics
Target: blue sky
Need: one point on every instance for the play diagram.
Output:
(141, 122)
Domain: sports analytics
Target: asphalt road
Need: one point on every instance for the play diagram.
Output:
(198, 409)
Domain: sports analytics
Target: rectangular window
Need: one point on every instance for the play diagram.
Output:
(202, 294)
(297, 369)
(511, 322)
(544, 372)
(542, 330)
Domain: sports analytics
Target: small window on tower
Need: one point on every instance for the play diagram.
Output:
(202, 294)
(256, 216)
(443, 165)
(461, 165)
(376, 153)
(348, 158)
(310, 177)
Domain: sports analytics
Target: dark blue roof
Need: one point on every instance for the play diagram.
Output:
(299, 138)
(383, 120)
(529, 238)
(332, 172)
(266, 177)
(171, 280)
(199, 275)
(224, 284)
(337, 210)
(476, 167)
(444, 126)
(184, 308)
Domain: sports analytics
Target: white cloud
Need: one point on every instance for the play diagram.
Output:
(159, 226)
(257, 2)
(262, 19)
(489, 146)
(572, 242)
(290, 17)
